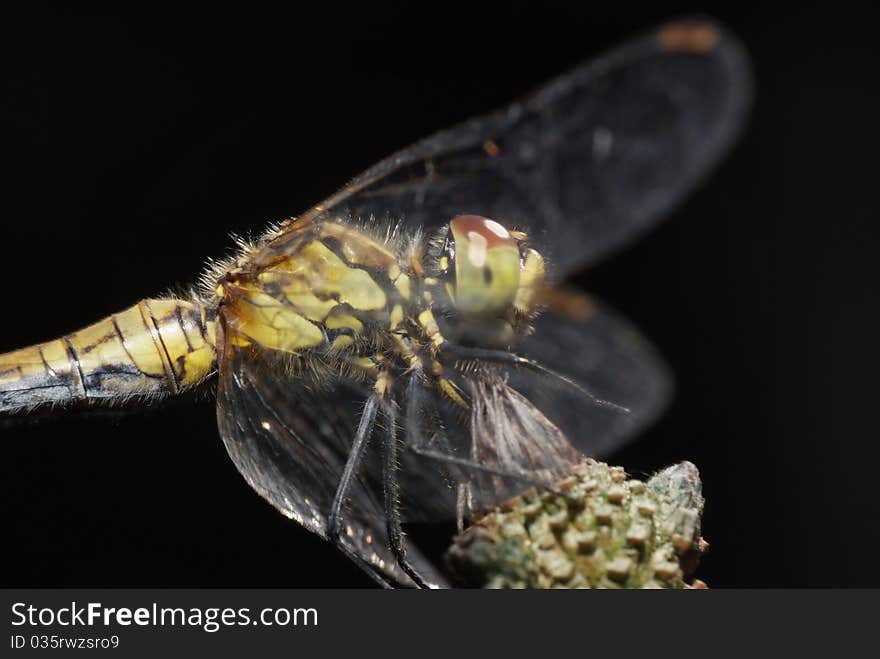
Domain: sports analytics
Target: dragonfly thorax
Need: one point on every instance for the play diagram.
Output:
(365, 300)
(332, 279)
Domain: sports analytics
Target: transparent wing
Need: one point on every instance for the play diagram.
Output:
(610, 359)
(594, 157)
(291, 442)
(529, 428)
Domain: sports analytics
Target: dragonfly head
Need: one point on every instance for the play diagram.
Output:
(489, 271)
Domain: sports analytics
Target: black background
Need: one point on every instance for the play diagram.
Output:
(169, 131)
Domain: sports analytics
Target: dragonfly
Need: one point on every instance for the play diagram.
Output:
(407, 349)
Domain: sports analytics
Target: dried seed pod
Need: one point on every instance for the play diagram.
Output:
(598, 530)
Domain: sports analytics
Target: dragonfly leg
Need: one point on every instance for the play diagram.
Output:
(469, 467)
(365, 429)
(377, 576)
(334, 522)
(511, 359)
(391, 487)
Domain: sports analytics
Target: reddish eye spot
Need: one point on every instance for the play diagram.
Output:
(489, 230)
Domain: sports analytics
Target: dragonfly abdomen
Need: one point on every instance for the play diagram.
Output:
(156, 347)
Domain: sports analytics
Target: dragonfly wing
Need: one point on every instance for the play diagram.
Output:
(291, 442)
(595, 156)
(610, 359)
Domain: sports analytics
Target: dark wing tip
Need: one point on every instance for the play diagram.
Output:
(704, 36)
(693, 36)
(701, 35)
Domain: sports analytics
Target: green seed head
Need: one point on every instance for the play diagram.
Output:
(598, 530)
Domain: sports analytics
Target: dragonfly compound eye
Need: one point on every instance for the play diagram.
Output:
(486, 262)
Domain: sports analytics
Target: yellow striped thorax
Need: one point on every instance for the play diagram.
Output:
(331, 286)
(319, 287)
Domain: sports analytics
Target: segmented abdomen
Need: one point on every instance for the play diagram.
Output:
(155, 347)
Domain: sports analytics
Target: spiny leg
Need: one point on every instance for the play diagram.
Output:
(470, 467)
(461, 505)
(416, 443)
(364, 430)
(511, 359)
(334, 523)
(377, 576)
(391, 487)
